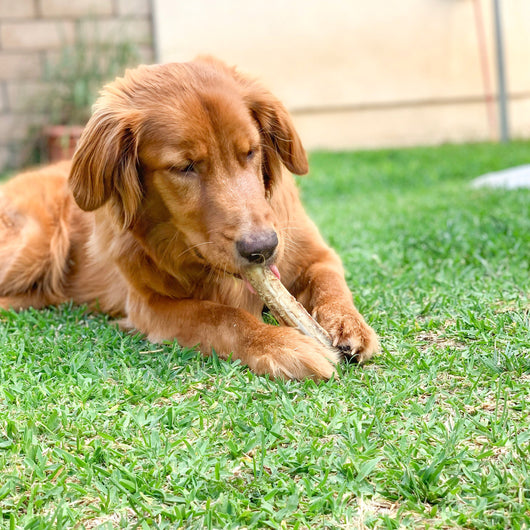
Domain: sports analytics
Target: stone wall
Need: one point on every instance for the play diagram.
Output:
(32, 32)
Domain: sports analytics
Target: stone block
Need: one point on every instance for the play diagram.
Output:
(3, 97)
(15, 128)
(5, 158)
(9, 128)
(20, 65)
(134, 30)
(134, 8)
(27, 96)
(74, 8)
(17, 9)
(27, 152)
(36, 34)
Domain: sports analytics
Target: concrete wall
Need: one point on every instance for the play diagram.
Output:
(364, 74)
(31, 32)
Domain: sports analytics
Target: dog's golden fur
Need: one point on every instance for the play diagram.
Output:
(180, 168)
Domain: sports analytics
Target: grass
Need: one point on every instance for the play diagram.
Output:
(99, 429)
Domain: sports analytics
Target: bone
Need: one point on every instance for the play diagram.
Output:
(284, 306)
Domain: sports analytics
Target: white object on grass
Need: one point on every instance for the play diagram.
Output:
(510, 179)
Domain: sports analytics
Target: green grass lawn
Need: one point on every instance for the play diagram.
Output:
(99, 429)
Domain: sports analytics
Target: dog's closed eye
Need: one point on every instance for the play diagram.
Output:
(185, 168)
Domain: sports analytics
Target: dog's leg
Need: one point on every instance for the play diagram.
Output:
(278, 351)
(323, 291)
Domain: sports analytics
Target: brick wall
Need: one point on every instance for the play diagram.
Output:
(31, 32)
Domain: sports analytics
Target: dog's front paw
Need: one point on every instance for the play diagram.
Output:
(287, 354)
(348, 330)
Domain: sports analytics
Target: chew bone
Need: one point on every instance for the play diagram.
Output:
(283, 305)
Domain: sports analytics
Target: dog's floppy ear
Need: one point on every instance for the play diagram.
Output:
(277, 131)
(104, 167)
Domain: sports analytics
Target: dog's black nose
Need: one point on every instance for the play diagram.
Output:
(258, 248)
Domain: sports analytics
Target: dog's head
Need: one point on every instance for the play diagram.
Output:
(193, 151)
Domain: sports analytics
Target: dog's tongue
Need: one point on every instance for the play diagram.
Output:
(249, 287)
(274, 271)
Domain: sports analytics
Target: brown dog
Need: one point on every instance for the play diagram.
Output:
(178, 184)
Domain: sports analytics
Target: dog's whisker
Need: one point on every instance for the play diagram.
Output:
(169, 244)
(291, 227)
(189, 249)
(290, 245)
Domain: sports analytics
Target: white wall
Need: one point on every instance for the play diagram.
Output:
(362, 74)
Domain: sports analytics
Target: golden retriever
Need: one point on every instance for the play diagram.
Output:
(178, 183)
